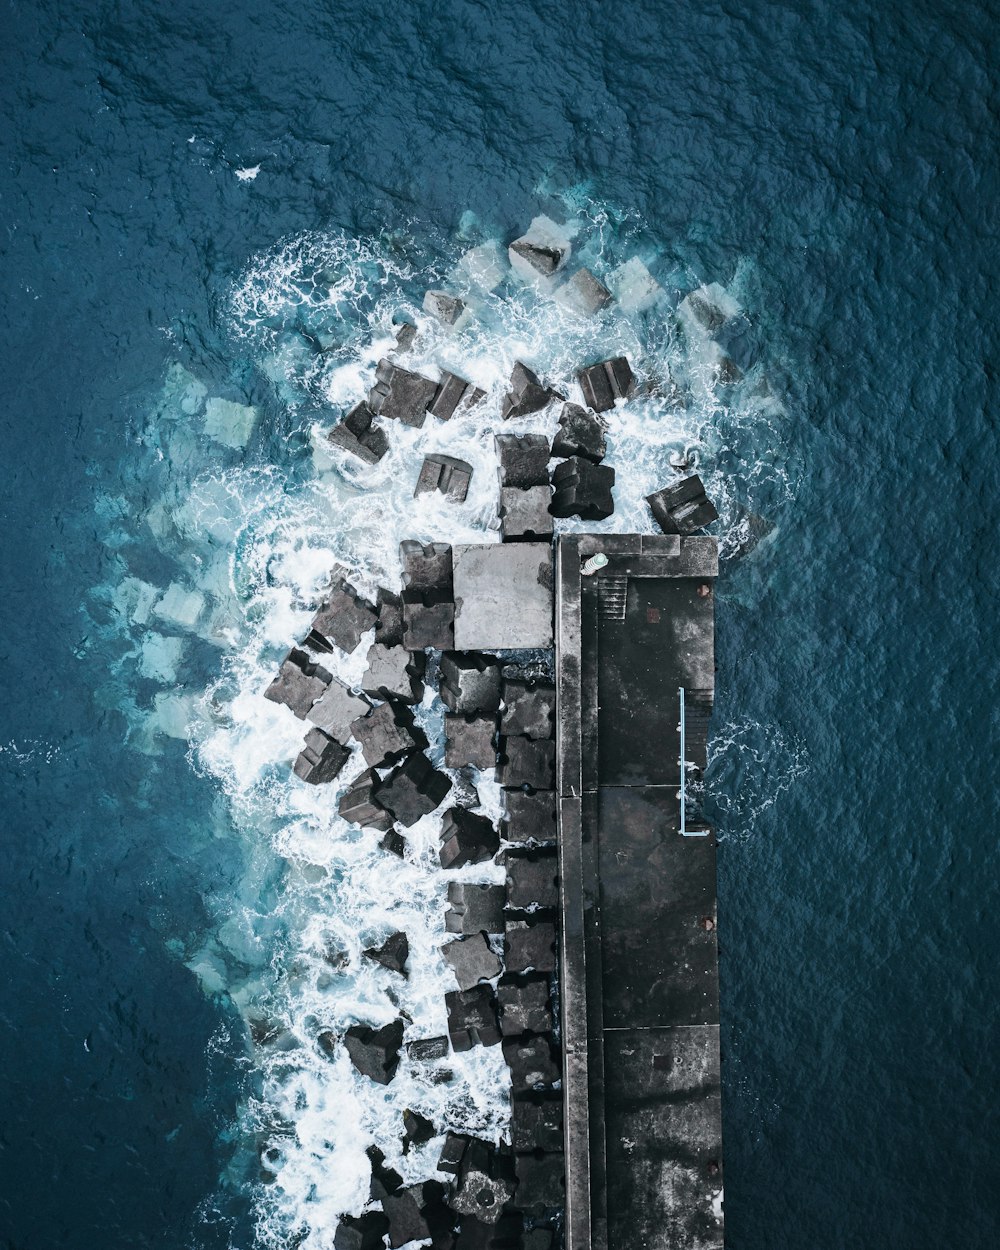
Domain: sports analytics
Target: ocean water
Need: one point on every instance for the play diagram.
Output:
(210, 220)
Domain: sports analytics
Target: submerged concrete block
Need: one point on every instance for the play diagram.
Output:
(428, 625)
(470, 683)
(526, 762)
(375, 1052)
(527, 394)
(392, 954)
(529, 946)
(470, 742)
(427, 571)
(343, 619)
(529, 817)
(486, 1182)
(394, 672)
(529, 709)
(413, 789)
(471, 960)
(583, 489)
(683, 507)
(356, 433)
(524, 514)
(583, 293)
(532, 879)
(387, 733)
(467, 838)
(503, 596)
(536, 1124)
(580, 433)
(335, 709)
(472, 1018)
(523, 459)
(540, 251)
(453, 394)
(633, 286)
(359, 806)
(446, 474)
(525, 1007)
(300, 682)
(401, 395)
(446, 308)
(606, 382)
(474, 907)
(321, 759)
(531, 1063)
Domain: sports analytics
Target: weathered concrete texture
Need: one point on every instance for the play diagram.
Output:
(541, 1184)
(472, 1018)
(525, 1007)
(405, 336)
(356, 434)
(471, 960)
(467, 838)
(470, 741)
(343, 620)
(428, 625)
(336, 708)
(375, 1052)
(413, 789)
(529, 709)
(503, 596)
(428, 1049)
(321, 759)
(580, 433)
(401, 395)
(300, 682)
(392, 954)
(446, 474)
(394, 672)
(527, 393)
(532, 879)
(683, 507)
(361, 1232)
(583, 489)
(529, 946)
(531, 1063)
(485, 1182)
(537, 1124)
(523, 459)
(453, 394)
(359, 806)
(446, 308)
(524, 762)
(387, 733)
(474, 908)
(389, 626)
(406, 1219)
(583, 293)
(529, 818)
(524, 514)
(604, 383)
(427, 571)
(470, 683)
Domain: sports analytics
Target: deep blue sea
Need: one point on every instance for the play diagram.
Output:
(206, 206)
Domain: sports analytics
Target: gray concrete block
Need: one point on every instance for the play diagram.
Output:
(321, 759)
(583, 293)
(356, 434)
(475, 908)
(392, 953)
(428, 1049)
(524, 514)
(389, 626)
(446, 308)
(453, 394)
(300, 682)
(683, 507)
(503, 596)
(375, 1052)
(523, 459)
(467, 838)
(529, 818)
(470, 741)
(536, 1125)
(401, 395)
(405, 336)
(343, 619)
(427, 571)
(529, 947)
(413, 789)
(445, 474)
(359, 807)
(387, 733)
(406, 1219)
(532, 878)
(531, 1062)
(427, 625)
(453, 1152)
(335, 709)
(470, 683)
(540, 251)
(471, 960)
(606, 382)
(506, 1234)
(583, 489)
(580, 433)
(361, 1232)
(529, 709)
(526, 394)
(541, 1183)
(525, 1007)
(394, 672)
(524, 762)
(472, 1018)
(485, 1182)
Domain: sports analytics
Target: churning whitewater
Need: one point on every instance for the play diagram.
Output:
(252, 509)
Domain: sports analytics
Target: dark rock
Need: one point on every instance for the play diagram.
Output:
(387, 1179)
(470, 741)
(472, 1018)
(401, 395)
(428, 625)
(394, 843)
(485, 1182)
(530, 947)
(446, 474)
(584, 293)
(427, 1049)
(536, 1124)
(342, 621)
(683, 507)
(446, 308)
(529, 818)
(581, 433)
(471, 960)
(388, 733)
(406, 1220)
(530, 1062)
(392, 954)
(427, 572)
(358, 805)
(526, 394)
(524, 514)
(300, 683)
(452, 1153)
(336, 708)
(356, 434)
(540, 250)
(523, 459)
(389, 626)
(503, 596)
(470, 682)
(474, 1234)
(532, 879)
(529, 709)
(417, 1129)
(413, 789)
(525, 1006)
(405, 336)
(541, 1183)
(605, 382)
(394, 672)
(453, 393)
(375, 1052)
(467, 838)
(361, 1232)
(583, 489)
(474, 907)
(321, 759)
(524, 762)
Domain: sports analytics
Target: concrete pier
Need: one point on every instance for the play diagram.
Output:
(639, 958)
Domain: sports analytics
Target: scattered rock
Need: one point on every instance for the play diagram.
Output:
(394, 843)
(452, 1153)
(472, 1018)
(506, 1234)
(529, 709)
(413, 789)
(583, 293)
(321, 759)
(633, 286)
(474, 908)
(583, 489)
(471, 960)
(300, 683)
(683, 507)
(392, 954)
(523, 459)
(375, 1052)
(359, 806)
(529, 946)
(342, 621)
(580, 433)
(401, 395)
(446, 308)
(385, 1180)
(525, 1007)
(467, 838)
(427, 1049)
(524, 514)
(540, 251)
(606, 382)
(470, 742)
(446, 474)
(356, 434)
(388, 733)
(417, 1129)
(526, 394)
(453, 393)
(470, 683)
(405, 336)
(394, 672)
(524, 762)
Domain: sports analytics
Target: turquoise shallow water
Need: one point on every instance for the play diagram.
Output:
(837, 171)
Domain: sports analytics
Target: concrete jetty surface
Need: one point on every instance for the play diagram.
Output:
(639, 957)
